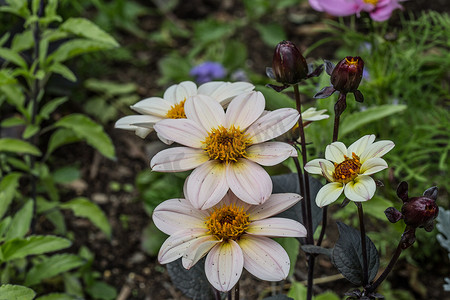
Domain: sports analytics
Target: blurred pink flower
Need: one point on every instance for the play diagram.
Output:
(379, 10)
(232, 235)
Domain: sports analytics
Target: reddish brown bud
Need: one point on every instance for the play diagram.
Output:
(420, 212)
(288, 64)
(347, 74)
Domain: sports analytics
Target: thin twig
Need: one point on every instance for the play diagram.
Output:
(365, 279)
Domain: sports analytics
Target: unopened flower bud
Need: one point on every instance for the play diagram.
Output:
(347, 74)
(420, 212)
(288, 64)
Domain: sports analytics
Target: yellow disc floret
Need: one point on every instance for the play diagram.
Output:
(226, 144)
(227, 222)
(176, 111)
(347, 170)
(373, 2)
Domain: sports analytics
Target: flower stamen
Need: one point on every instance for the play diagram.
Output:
(226, 144)
(176, 111)
(353, 60)
(347, 170)
(227, 222)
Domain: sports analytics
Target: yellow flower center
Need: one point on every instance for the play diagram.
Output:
(226, 144)
(373, 2)
(353, 61)
(176, 111)
(347, 170)
(227, 222)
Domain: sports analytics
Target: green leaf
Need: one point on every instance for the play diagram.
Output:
(60, 138)
(85, 28)
(22, 41)
(297, 291)
(4, 225)
(18, 146)
(271, 34)
(292, 247)
(82, 207)
(76, 47)
(90, 131)
(66, 174)
(13, 121)
(275, 100)
(8, 187)
(16, 292)
(17, 7)
(152, 239)
(33, 245)
(21, 222)
(358, 119)
(327, 296)
(52, 266)
(51, 106)
(63, 71)
(12, 56)
(30, 131)
(101, 290)
(110, 87)
(56, 296)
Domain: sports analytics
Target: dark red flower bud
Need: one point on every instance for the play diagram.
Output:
(288, 64)
(420, 212)
(347, 74)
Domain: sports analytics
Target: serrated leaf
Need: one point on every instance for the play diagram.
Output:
(32, 245)
(16, 292)
(85, 28)
(76, 47)
(347, 255)
(52, 266)
(60, 138)
(21, 222)
(358, 119)
(90, 131)
(193, 282)
(56, 296)
(18, 146)
(8, 187)
(101, 290)
(84, 208)
(12, 56)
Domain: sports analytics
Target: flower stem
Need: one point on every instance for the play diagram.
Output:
(365, 279)
(302, 188)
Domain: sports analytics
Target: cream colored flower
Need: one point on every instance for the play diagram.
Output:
(348, 170)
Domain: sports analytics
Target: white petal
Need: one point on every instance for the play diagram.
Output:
(164, 140)
(179, 92)
(178, 159)
(176, 245)
(264, 258)
(311, 114)
(177, 214)
(223, 92)
(205, 111)
(329, 193)
(313, 166)
(142, 132)
(270, 153)
(373, 165)
(249, 181)
(274, 205)
(231, 199)
(207, 185)
(128, 122)
(377, 149)
(198, 249)
(277, 227)
(327, 170)
(360, 145)
(223, 265)
(362, 188)
(154, 106)
(182, 131)
(244, 110)
(273, 124)
(335, 152)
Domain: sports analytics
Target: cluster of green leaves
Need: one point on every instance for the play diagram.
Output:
(28, 127)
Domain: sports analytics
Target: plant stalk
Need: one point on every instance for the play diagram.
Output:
(362, 228)
(302, 188)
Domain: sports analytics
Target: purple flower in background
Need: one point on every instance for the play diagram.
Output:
(208, 71)
(379, 10)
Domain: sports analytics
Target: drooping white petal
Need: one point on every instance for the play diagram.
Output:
(360, 145)
(329, 193)
(264, 258)
(270, 153)
(244, 109)
(154, 106)
(273, 124)
(248, 181)
(276, 227)
(313, 166)
(178, 159)
(128, 122)
(311, 114)
(179, 92)
(377, 149)
(373, 165)
(163, 139)
(335, 152)
(182, 131)
(175, 214)
(274, 205)
(176, 245)
(207, 185)
(223, 92)
(223, 265)
(204, 110)
(362, 188)
(142, 132)
(327, 170)
(198, 249)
